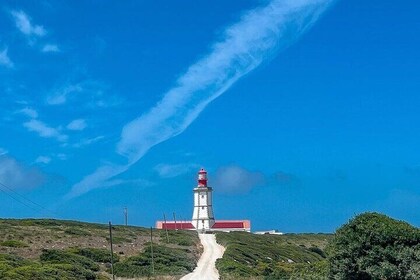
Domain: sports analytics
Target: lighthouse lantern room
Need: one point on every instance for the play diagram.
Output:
(203, 217)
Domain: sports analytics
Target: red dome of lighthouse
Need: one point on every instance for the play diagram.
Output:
(202, 178)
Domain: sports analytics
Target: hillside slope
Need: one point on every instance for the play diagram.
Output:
(53, 249)
(272, 256)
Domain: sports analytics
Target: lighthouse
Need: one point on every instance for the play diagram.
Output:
(203, 217)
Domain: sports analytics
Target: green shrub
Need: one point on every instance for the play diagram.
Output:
(77, 231)
(268, 255)
(119, 240)
(16, 268)
(179, 237)
(97, 255)
(14, 244)
(49, 272)
(374, 246)
(63, 257)
(167, 261)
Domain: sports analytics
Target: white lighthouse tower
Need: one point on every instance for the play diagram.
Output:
(203, 217)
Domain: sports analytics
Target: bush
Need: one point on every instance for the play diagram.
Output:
(167, 261)
(77, 232)
(97, 255)
(374, 246)
(16, 268)
(268, 255)
(49, 272)
(14, 244)
(62, 257)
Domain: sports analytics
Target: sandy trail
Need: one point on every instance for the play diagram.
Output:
(206, 266)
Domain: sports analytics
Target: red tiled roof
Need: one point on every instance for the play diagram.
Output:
(229, 224)
(178, 225)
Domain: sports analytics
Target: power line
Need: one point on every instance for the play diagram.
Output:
(24, 200)
(16, 199)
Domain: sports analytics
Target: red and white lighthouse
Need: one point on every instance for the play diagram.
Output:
(203, 217)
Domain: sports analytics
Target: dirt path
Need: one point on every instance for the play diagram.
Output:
(206, 266)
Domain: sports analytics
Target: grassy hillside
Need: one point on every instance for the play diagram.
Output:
(53, 249)
(289, 256)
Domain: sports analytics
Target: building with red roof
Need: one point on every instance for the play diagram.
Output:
(203, 217)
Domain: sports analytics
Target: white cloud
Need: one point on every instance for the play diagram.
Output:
(43, 159)
(5, 60)
(174, 170)
(44, 130)
(61, 95)
(62, 156)
(23, 23)
(87, 93)
(3, 151)
(16, 175)
(50, 48)
(88, 141)
(78, 124)
(29, 112)
(245, 45)
(235, 179)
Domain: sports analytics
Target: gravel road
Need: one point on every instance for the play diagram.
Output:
(206, 267)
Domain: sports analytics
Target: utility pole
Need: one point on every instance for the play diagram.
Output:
(126, 216)
(112, 251)
(176, 228)
(180, 218)
(166, 227)
(151, 250)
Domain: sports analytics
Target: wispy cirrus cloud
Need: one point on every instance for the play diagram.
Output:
(88, 141)
(50, 48)
(44, 130)
(60, 96)
(43, 159)
(87, 93)
(24, 24)
(77, 125)
(257, 37)
(3, 151)
(5, 59)
(174, 170)
(32, 113)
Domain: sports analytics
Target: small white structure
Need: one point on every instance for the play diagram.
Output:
(203, 217)
(272, 231)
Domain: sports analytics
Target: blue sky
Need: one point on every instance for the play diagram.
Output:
(303, 112)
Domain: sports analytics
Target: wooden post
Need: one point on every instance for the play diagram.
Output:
(112, 251)
(175, 221)
(166, 228)
(151, 250)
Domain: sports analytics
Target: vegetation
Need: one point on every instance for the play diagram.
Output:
(167, 261)
(179, 237)
(14, 244)
(371, 246)
(47, 249)
(17, 268)
(97, 255)
(374, 246)
(289, 256)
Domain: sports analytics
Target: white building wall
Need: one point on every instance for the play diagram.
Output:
(203, 217)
